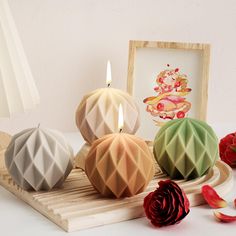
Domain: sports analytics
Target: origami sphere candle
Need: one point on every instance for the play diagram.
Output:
(119, 165)
(186, 148)
(97, 113)
(39, 159)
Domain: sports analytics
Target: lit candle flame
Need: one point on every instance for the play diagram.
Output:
(109, 79)
(120, 118)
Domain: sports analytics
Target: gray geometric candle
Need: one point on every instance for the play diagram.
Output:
(39, 159)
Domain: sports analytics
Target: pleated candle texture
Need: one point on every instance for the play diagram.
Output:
(119, 165)
(97, 114)
(18, 91)
(186, 148)
(39, 159)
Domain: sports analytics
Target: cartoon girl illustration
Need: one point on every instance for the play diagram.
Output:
(170, 101)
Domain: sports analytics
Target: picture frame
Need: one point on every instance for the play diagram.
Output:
(168, 80)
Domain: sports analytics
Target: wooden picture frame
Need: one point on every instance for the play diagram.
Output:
(184, 51)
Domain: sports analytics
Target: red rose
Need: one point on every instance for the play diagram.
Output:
(167, 205)
(227, 148)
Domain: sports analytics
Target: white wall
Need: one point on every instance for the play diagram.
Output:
(69, 41)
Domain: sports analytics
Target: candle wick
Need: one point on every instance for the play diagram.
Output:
(38, 125)
(109, 85)
(120, 130)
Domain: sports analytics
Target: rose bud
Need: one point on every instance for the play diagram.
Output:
(212, 198)
(224, 218)
(227, 148)
(167, 205)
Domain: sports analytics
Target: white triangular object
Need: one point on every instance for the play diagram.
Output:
(18, 91)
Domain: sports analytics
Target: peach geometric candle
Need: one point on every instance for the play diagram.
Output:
(119, 165)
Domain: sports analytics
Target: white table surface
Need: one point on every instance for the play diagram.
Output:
(17, 218)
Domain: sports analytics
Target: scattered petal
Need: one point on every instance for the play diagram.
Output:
(224, 218)
(212, 198)
(235, 202)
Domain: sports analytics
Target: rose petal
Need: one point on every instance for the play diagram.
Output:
(235, 202)
(233, 148)
(146, 204)
(224, 218)
(212, 198)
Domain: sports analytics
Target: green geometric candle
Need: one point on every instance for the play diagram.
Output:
(186, 148)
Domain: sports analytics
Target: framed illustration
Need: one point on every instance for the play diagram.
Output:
(169, 80)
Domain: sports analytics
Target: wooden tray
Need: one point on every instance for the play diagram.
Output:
(78, 206)
(4, 142)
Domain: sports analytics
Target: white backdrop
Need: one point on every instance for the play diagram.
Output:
(68, 42)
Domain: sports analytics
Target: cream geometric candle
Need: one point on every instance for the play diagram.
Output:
(97, 113)
(119, 165)
(39, 159)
